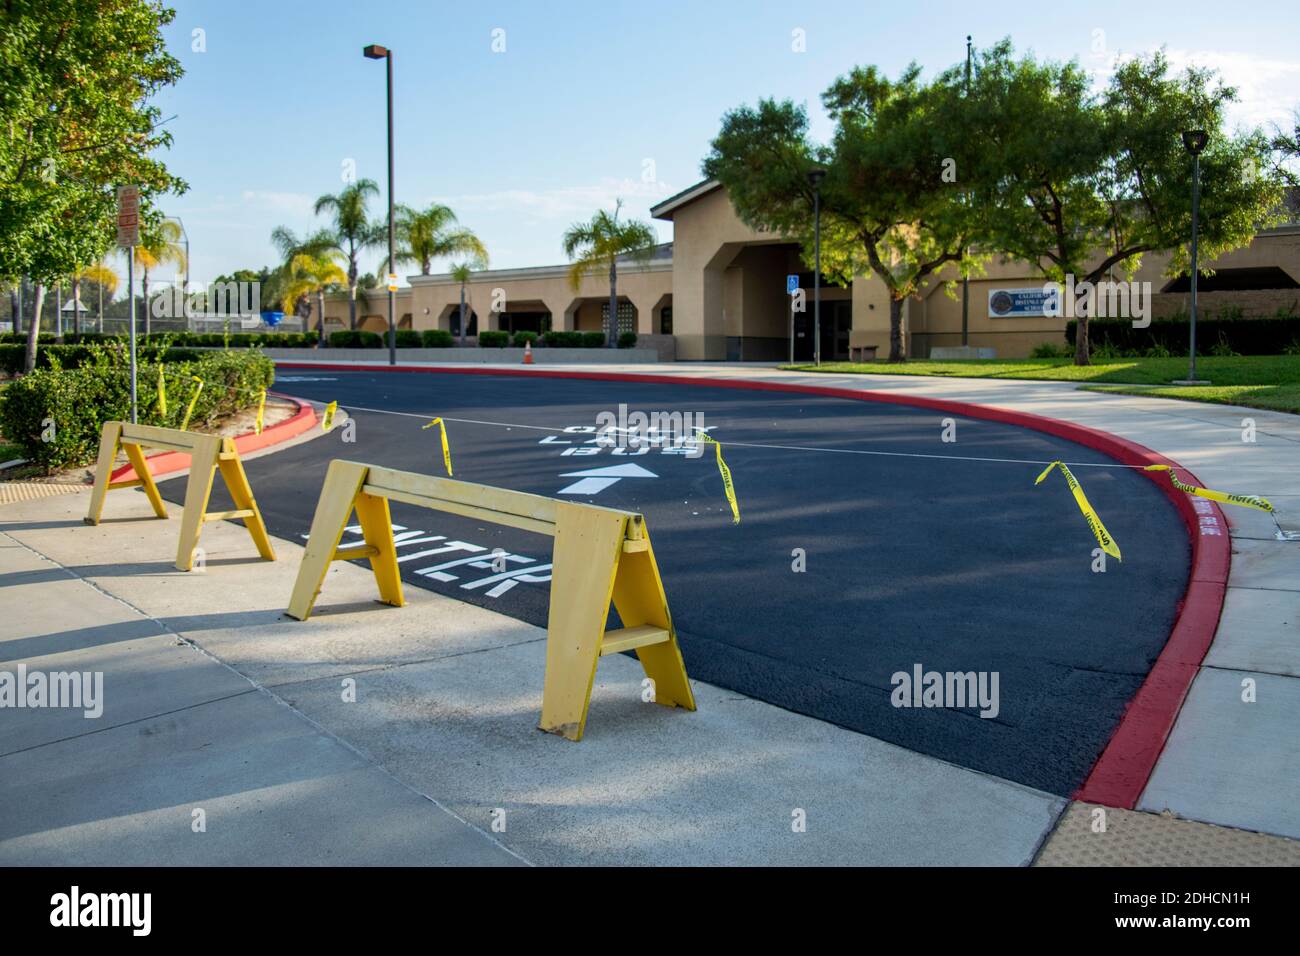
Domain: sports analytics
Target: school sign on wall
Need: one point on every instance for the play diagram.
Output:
(1024, 303)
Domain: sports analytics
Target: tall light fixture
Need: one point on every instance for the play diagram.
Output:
(815, 177)
(1194, 141)
(377, 52)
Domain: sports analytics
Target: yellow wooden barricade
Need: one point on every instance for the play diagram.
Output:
(600, 555)
(207, 454)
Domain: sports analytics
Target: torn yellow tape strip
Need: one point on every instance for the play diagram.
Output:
(1246, 501)
(726, 477)
(327, 420)
(193, 401)
(261, 412)
(162, 392)
(1089, 513)
(446, 449)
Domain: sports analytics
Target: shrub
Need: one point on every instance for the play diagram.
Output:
(1046, 350)
(1244, 336)
(408, 339)
(563, 340)
(80, 400)
(493, 340)
(626, 340)
(437, 339)
(593, 340)
(524, 338)
(13, 357)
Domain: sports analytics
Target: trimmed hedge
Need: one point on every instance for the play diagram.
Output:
(13, 356)
(493, 339)
(1271, 336)
(563, 340)
(356, 339)
(524, 338)
(593, 340)
(437, 339)
(78, 401)
(626, 340)
(406, 339)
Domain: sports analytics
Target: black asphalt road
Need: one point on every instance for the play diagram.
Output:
(948, 564)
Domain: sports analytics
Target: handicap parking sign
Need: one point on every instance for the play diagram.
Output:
(791, 285)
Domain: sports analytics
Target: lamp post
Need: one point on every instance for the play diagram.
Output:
(965, 280)
(815, 177)
(1194, 141)
(377, 52)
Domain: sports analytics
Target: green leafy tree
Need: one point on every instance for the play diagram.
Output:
(461, 272)
(310, 274)
(76, 78)
(891, 202)
(352, 230)
(1080, 183)
(595, 246)
(428, 234)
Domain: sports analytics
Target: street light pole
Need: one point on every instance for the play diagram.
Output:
(815, 177)
(1194, 141)
(377, 52)
(965, 280)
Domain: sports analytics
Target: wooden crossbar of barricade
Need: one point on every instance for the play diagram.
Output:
(600, 555)
(208, 454)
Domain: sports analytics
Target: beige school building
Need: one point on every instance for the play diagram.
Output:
(717, 292)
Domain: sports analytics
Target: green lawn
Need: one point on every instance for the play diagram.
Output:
(1257, 381)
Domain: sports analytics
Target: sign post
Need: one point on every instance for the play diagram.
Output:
(128, 237)
(791, 289)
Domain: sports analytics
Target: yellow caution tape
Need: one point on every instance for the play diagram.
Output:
(1246, 501)
(193, 401)
(726, 478)
(162, 393)
(328, 420)
(446, 449)
(1089, 513)
(261, 412)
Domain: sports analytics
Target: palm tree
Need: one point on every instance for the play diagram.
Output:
(461, 273)
(426, 235)
(102, 276)
(351, 231)
(596, 245)
(161, 248)
(290, 246)
(310, 274)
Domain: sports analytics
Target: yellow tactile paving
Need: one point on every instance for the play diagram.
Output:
(1133, 838)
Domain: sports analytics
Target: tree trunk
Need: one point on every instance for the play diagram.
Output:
(1081, 346)
(99, 321)
(76, 304)
(464, 319)
(34, 330)
(14, 309)
(611, 335)
(896, 331)
(320, 316)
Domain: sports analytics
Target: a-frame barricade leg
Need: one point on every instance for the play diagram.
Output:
(198, 488)
(135, 455)
(588, 544)
(642, 605)
(108, 437)
(340, 494)
(241, 493)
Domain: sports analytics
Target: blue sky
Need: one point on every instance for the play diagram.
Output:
(589, 102)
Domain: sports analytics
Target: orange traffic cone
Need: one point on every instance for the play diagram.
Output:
(528, 353)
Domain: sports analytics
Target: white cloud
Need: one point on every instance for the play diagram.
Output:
(564, 203)
(295, 204)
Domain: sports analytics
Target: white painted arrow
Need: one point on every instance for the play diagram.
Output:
(598, 479)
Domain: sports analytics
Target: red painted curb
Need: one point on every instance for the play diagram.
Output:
(170, 461)
(1121, 772)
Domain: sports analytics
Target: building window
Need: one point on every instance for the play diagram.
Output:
(666, 320)
(626, 316)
